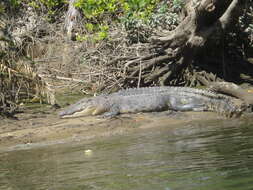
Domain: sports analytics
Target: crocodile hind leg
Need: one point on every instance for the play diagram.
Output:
(109, 114)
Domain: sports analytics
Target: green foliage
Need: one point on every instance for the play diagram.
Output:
(48, 4)
(49, 7)
(96, 32)
(103, 33)
(178, 4)
(10, 5)
(38, 4)
(51, 4)
(2, 8)
(15, 3)
(165, 16)
(139, 8)
(135, 15)
(101, 12)
(96, 8)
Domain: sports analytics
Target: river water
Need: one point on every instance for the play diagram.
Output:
(201, 156)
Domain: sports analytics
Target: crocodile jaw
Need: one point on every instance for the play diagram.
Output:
(90, 110)
(82, 112)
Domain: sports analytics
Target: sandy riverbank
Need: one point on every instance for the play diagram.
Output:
(47, 127)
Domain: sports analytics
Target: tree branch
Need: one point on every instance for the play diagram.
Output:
(230, 15)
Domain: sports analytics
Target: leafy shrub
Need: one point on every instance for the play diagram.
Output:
(177, 5)
(45, 5)
(50, 7)
(96, 32)
(163, 15)
(15, 3)
(100, 13)
(97, 9)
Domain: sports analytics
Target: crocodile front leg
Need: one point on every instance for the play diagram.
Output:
(113, 111)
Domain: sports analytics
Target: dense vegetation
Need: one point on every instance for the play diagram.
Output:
(118, 32)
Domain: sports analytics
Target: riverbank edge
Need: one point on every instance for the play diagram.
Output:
(49, 129)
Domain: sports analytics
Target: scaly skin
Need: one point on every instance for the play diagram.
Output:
(153, 99)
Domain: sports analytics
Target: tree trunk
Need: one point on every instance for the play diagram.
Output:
(173, 51)
(72, 17)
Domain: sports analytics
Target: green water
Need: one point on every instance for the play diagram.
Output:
(210, 156)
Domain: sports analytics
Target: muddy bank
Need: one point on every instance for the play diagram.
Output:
(45, 127)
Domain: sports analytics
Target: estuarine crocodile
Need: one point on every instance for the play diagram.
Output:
(153, 99)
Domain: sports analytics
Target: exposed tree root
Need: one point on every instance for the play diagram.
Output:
(175, 50)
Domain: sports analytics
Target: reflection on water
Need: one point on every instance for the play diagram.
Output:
(198, 156)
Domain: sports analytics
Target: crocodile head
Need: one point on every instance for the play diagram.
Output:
(84, 107)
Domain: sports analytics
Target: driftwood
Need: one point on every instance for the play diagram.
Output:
(233, 90)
